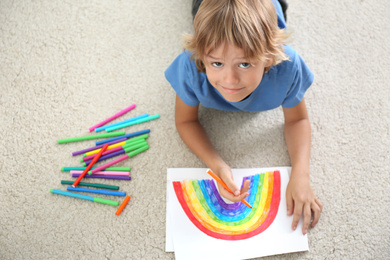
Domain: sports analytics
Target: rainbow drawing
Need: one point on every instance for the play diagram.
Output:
(206, 209)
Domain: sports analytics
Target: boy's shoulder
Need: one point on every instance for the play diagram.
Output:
(292, 57)
(290, 67)
(186, 63)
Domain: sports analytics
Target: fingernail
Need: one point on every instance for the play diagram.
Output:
(294, 227)
(236, 193)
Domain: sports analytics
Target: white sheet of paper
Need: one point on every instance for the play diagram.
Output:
(188, 242)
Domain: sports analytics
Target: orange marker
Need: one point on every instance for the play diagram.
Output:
(122, 206)
(89, 166)
(225, 186)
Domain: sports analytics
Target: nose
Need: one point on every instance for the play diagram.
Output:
(230, 77)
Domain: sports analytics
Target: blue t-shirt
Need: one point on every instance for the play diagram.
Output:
(283, 85)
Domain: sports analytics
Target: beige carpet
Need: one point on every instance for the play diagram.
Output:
(67, 65)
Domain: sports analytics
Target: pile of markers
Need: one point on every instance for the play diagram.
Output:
(119, 144)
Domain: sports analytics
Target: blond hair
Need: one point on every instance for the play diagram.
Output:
(248, 24)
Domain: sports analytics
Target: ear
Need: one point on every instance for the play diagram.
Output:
(268, 63)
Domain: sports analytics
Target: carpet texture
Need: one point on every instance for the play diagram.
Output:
(67, 65)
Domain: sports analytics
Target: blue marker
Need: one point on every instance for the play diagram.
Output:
(122, 122)
(105, 192)
(84, 197)
(122, 136)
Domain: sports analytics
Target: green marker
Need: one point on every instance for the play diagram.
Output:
(95, 185)
(104, 201)
(128, 142)
(127, 148)
(144, 136)
(89, 137)
(134, 145)
(85, 197)
(139, 150)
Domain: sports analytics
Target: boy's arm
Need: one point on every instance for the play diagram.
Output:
(299, 194)
(194, 136)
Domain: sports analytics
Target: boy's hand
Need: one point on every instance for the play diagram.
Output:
(301, 200)
(227, 177)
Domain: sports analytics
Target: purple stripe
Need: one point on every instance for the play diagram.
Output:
(115, 177)
(98, 146)
(225, 205)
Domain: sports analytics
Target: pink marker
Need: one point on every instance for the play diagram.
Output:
(113, 117)
(102, 167)
(119, 173)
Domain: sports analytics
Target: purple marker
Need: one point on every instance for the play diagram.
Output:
(107, 156)
(114, 177)
(89, 158)
(99, 146)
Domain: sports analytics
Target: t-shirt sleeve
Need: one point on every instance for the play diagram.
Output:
(279, 13)
(182, 75)
(301, 80)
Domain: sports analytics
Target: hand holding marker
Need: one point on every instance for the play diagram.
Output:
(225, 186)
(131, 148)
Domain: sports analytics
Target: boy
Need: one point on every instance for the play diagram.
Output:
(237, 60)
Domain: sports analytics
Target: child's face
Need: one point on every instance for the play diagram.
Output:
(234, 76)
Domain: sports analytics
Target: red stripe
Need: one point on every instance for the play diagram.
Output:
(274, 207)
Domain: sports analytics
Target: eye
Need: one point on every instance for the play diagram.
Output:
(244, 65)
(217, 64)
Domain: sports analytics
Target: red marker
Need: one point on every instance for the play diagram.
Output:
(90, 165)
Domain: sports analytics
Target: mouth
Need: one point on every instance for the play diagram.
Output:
(231, 90)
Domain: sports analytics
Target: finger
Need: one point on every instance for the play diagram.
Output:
(226, 194)
(290, 204)
(231, 185)
(319, 204)
(242, 196)
(233, 198)
(245, 187)
(297, 215)
(306, 218)
(316, 209)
